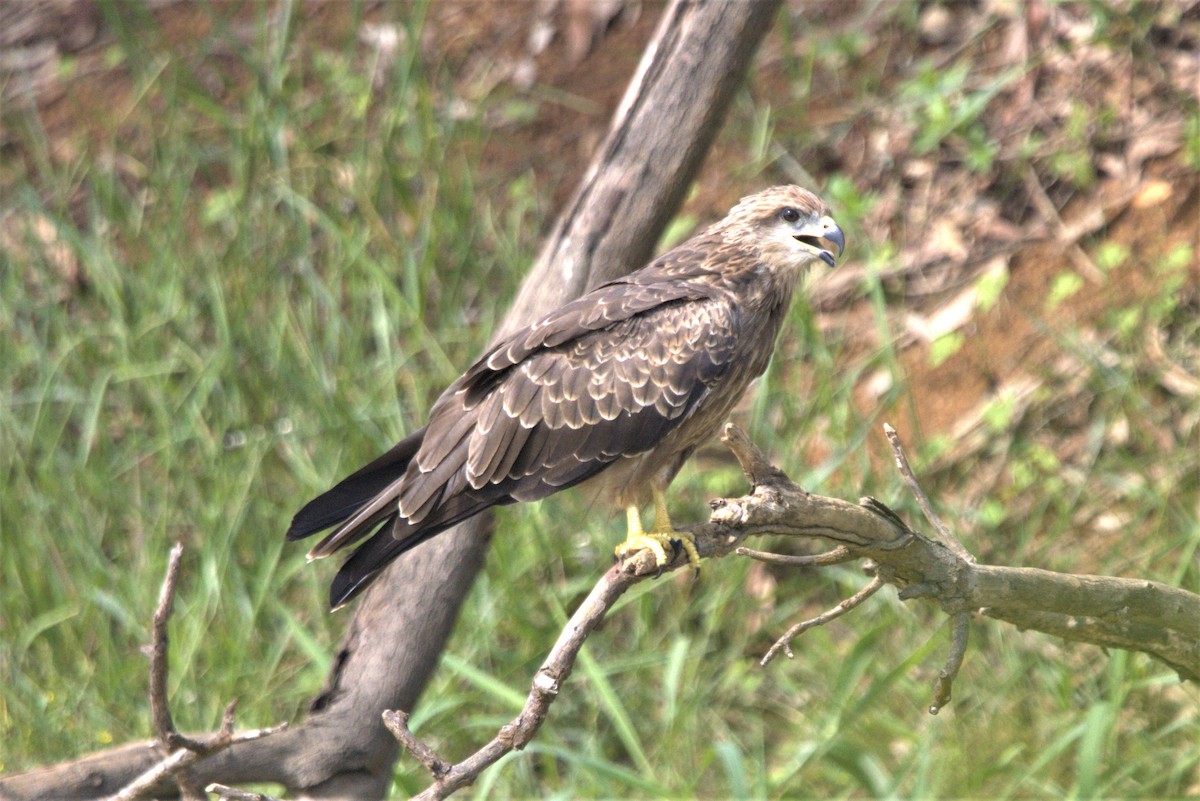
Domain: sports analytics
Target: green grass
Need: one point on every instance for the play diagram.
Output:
(227, 298)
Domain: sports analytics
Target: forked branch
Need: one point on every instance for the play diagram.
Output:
(1139, 615)
(179, 752)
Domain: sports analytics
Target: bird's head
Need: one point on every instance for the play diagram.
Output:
(790, 227)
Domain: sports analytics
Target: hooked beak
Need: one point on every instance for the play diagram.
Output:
(818, 232)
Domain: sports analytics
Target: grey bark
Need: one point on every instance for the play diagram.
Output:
(1140, 615)
(1133, 614)
(654, 148)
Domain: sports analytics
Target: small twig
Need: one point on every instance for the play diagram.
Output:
(948, 539)
(961, 619)
(168, 766)
(784, 643)
(959, 634)
(183, 758)
(169, 738)
(754, 462)
(1067, 237)
(397, 723)
(225, 793)
(179, 752)
(516, 734)
(835, 556)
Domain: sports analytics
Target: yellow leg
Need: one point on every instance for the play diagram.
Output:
(660, 535)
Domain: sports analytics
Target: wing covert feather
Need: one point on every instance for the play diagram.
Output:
(609, 393)
(604, 377)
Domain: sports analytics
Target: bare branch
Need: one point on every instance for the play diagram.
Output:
(169, 766)
(755, 465)
(182, 758)
(835, 556)
(397, 724)
(910, 479)
(1125, 627)
(959, 633)
(179, 752)
(169, 738)
(918, 566)
(960, 619)
(547, 681)
(784, 643)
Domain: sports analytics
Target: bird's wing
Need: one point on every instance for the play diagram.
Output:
(555, 404)
(600, 308)
(607, 376)
(365, 498)
(356, 490)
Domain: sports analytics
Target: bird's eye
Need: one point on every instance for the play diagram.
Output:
(789, 215)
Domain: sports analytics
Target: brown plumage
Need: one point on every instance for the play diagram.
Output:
(618, 386)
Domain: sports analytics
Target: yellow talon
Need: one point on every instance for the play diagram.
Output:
(660, 536)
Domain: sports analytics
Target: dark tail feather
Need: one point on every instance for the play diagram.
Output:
(356, 490)
(369, 560)
(396, 536)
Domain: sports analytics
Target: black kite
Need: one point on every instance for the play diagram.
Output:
(618, 386)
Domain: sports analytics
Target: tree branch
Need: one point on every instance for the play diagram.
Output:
(1157, 619)
(151, 781)
(233, 794)
(549, 678)
(914, 487)
(784, 643)
(1141, 615)
(960, 630)
(169, 738)
(179, 752)
(397, 724)
(835, 556)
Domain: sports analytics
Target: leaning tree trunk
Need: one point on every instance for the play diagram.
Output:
(635, 184)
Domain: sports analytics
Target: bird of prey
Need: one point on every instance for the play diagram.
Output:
(615, 388)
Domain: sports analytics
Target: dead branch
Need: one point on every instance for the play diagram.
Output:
(181, 759)
(835, 556)
(169, 739)
(547, 682)
(1134, 614)
(918, 566)
(397, 724)
(784, 643)
(549, 678)
(179, 752)
(960, 629)
(914, 487)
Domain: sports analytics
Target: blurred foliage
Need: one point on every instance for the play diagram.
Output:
(272, 251)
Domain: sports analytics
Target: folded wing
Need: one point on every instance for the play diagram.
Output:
(607, 376)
